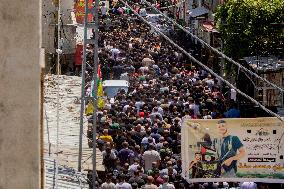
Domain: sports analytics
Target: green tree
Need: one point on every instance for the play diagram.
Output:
(249, 27)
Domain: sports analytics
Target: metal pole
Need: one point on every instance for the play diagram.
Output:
(58, 39)
(96, 62)
(54, 175)
(47, 129)
(83, 87)
(58, 73)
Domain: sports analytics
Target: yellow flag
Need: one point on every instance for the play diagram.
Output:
(101, 103)
(89, 108)
(100, 89)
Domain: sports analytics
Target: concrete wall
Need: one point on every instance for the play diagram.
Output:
(49, 19)
(20, 94)
(48, 25)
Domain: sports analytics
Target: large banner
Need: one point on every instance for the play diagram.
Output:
(235, 150)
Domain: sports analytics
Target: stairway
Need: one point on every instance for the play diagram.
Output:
(67, 177)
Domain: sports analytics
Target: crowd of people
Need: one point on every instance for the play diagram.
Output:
(139, 132)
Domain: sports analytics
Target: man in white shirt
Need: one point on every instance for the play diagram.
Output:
(248, 185)
(150, 156)
(206, 114)
(108, 184)
(139, 104)
(160, 109)
(104, 9)
(233, 94)
(156, 113)
(166, 184)
(144, 69)
(129, 105)
(209, 81)
(134, 167)
(114, 53)
(193, 106)
(168, 170)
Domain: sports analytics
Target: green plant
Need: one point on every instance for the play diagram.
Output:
(247, 27)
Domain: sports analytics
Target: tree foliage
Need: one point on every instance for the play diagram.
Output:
(251, 27)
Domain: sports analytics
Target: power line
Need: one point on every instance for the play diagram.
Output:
(202, 65)
(214, 49)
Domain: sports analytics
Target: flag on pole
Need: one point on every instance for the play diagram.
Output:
(99, 72)
(89, 108)
(100, 92)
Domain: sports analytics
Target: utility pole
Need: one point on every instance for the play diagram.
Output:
(58, 66)
(83, 86)
(95, 26)
(59, 51)
(96, 63)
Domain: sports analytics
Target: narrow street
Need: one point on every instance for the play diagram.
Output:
(161, 92)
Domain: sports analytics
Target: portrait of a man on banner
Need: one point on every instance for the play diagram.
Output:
(233, 150)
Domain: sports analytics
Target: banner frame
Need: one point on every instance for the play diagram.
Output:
(185, 141)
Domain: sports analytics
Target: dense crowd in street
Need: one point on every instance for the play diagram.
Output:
(139, 132)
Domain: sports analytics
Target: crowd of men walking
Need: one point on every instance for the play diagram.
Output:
(139, 132)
